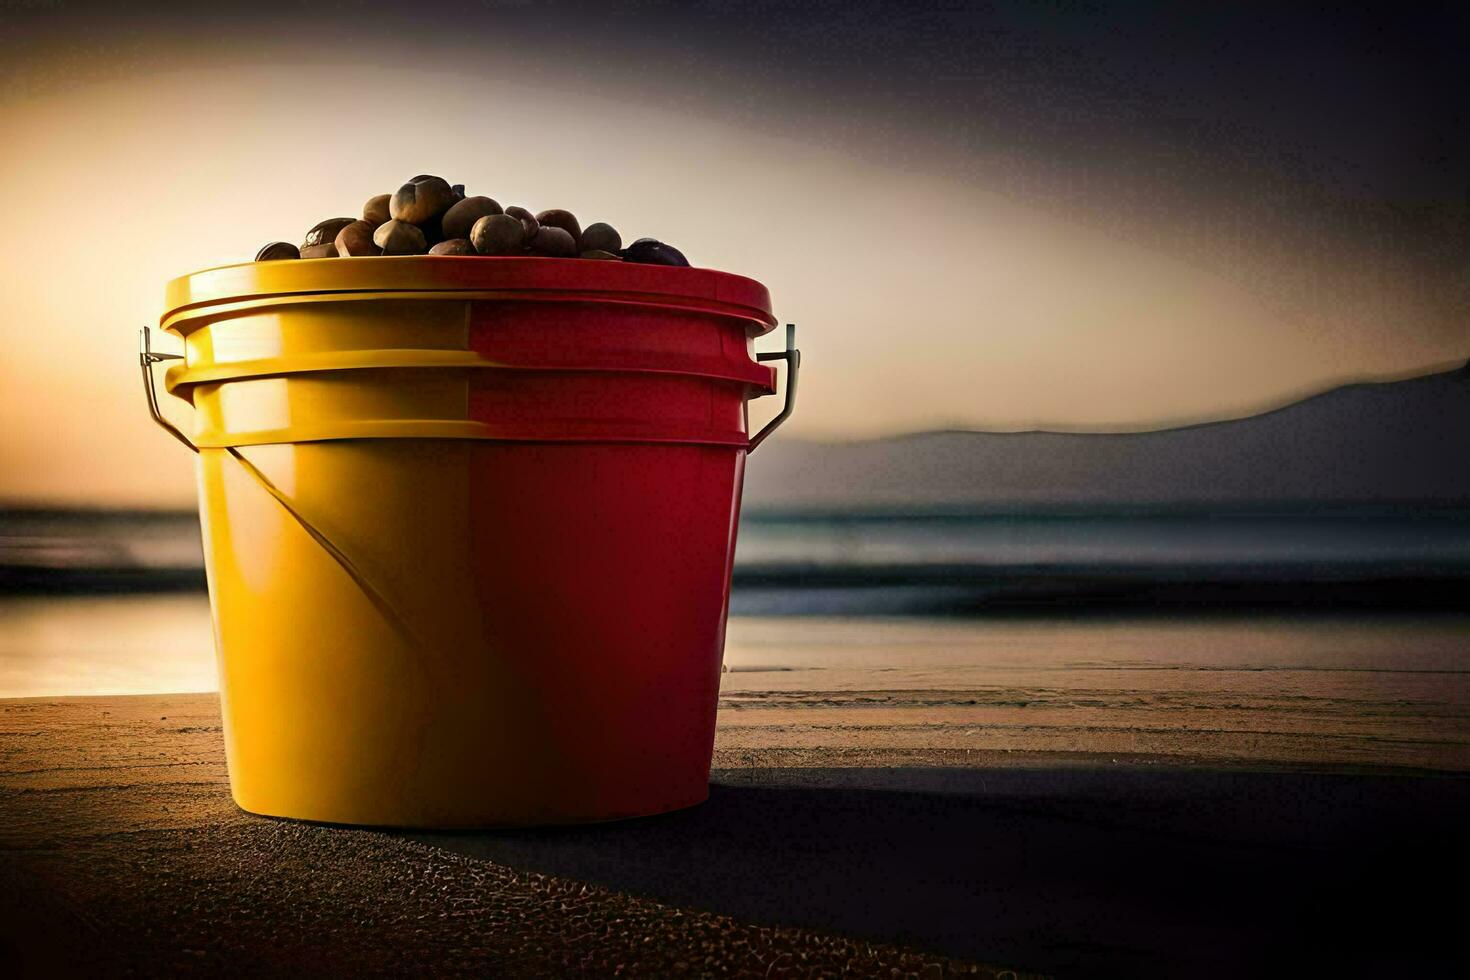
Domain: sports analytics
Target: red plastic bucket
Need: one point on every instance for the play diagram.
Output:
(469, 526)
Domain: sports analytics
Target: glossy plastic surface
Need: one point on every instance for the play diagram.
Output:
(469, 556)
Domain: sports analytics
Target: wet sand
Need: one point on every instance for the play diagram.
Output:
(825, 849)
(1295, 691)
(1345, 689)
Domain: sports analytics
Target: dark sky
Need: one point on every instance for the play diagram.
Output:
(1360, 106)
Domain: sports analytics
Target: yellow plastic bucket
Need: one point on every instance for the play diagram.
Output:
(468, 528)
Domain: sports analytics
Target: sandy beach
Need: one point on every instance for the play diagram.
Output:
(835, 842)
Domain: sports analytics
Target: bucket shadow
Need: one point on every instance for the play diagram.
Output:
(1077, 872)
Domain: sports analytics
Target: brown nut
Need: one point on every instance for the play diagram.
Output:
(375, 211)
(602, 237)
(327, 251)
(498, 234)
(458, 190)
(325, 232)
(277, 250)
(461, 218)
(453, 246)
(357, 239)
(421, 200)
(527, 218)
(400, 238)
(553, 241)
(565, 220)
(597, 253)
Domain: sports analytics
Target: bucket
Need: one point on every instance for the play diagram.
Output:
(468, 528)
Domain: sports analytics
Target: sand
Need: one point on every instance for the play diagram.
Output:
(120, 850)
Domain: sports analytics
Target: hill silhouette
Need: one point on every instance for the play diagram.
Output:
(1389, 443)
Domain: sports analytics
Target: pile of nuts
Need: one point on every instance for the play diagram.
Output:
(429, 215)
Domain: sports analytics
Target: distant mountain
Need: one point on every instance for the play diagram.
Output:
(1387, 443)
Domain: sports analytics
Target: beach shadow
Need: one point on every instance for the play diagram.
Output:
(1077, 872)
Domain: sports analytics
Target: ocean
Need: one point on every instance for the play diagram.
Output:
(993, 557)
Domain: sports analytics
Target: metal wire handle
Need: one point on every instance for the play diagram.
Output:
(792, 357)
(146, 359)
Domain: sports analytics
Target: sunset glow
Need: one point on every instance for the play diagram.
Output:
(927, 293)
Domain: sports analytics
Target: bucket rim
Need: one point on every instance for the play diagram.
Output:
(451, 274)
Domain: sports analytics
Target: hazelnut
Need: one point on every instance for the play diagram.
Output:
(527, 218)
(421, 200)
(601, 237)
(461, 217)
(597, 253)
(277, 250)
(498, 234)
(553, 241)
(565, 220)
(400, 238)
(324, 232)
(357, 239)
(375, 211)
(453, 246)
(327, 251)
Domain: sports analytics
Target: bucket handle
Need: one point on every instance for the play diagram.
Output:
(147, 357)
(792, 357)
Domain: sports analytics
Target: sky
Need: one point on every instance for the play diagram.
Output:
(998, 217)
